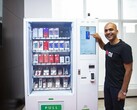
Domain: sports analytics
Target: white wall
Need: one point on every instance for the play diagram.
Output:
(67, 9)
(37, 8)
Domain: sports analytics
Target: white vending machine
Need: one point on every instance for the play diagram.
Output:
(50, 64)
(60, 64)
(87, 65)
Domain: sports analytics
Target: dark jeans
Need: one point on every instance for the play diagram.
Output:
(111, 98)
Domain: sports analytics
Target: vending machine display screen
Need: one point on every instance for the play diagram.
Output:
(87, 41)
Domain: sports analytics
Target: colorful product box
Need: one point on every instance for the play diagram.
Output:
(46, 58)
(51, 58)
(46, 32)
(51, 32)
(51, 45)
(56, 32)
(57, 58)
(45, 45)
(56, 45)
(40, 58)
(40, 45)
(61, 45)
(35, 45)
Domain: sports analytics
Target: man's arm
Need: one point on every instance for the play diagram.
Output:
(99, 40)
(127, 77)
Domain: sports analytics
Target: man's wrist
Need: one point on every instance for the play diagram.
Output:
(124, 93)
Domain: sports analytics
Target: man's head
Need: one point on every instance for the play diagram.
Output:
(110, 31)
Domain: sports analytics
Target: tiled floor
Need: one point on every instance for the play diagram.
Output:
(131, 104)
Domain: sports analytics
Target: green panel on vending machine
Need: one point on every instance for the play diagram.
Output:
(51, 107)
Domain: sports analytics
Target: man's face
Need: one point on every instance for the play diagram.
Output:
(110, 32)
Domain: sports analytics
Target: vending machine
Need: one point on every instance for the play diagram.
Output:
(87, 65)
(50, 64)
(60, 64)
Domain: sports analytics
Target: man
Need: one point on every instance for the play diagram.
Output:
(118, 66)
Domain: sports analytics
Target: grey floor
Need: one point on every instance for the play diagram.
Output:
(130, 104)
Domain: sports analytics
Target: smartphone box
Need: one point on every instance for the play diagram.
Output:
(40, 58)
(56, 32)
(40, 32)
(45, 32)
(45, 45)
(51, 32)
(40, 45)
(46, 58)
(35, 58)
(35, 32)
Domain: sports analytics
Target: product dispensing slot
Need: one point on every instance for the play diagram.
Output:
(92, 77)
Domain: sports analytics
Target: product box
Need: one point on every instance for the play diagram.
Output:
(46, 32)
(35, 45)
(49, 83)
(35, 58)
(40, 58)
(67, 59)
(57, 58)
(53, 71)
(57, 82)
(61, 45)
(56, 45)
(40, 32)
(51, 58)
(51, 45)
(65, 82)
(56, 32)
(67, 45)
(51, 32)
(44, 83)
(46, 58)
(61, 59)
(40, 82)
(60, 72)
(46, 71)
(40, 45)
(35, 32)
(45, 45)
(38, 72)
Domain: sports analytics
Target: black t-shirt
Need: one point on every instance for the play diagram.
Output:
(116, 56)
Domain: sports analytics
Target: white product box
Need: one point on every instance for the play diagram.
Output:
(56, 32)
(40, 32)
(61, 59)
(35, 32)
(35, 58)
